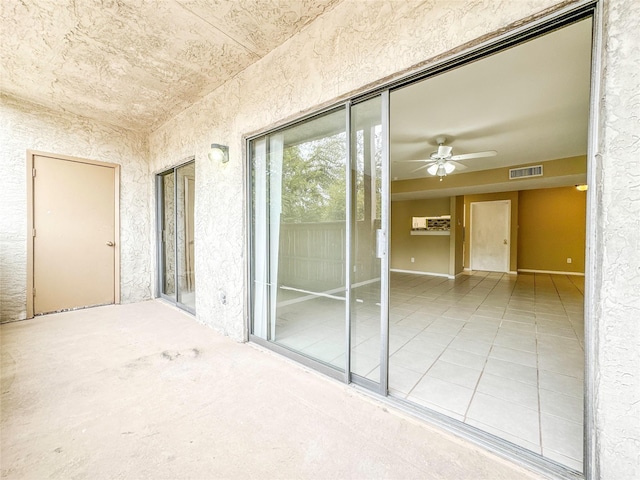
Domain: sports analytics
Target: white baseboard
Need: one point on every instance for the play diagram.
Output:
(550, 272)
(510, 272)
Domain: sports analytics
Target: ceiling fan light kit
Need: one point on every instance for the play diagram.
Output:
(440, 162)
(441, 169)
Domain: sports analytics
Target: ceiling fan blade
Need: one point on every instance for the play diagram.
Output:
(467, 156)
(420, 168)
(459, 166)
(444, 151)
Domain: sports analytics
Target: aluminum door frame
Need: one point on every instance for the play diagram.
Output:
(159, 236)
(380, 387)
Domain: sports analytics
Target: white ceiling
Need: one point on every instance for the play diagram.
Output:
(529, 103)
(136, 63)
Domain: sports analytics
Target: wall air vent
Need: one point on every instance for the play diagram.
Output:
(525, 172)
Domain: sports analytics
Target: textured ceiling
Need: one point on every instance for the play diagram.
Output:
(136, 63)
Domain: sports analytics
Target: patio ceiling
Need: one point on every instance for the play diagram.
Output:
(137, 63)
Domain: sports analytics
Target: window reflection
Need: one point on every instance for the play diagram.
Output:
(299, 243)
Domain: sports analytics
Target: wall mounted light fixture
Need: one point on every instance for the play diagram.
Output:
(219, 153)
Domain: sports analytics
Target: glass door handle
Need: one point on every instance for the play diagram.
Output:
(381, 245)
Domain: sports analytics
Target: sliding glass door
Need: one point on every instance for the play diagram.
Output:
(368, 245)
(493, 352)
(299, 238)
(318, 241)
(176, 245)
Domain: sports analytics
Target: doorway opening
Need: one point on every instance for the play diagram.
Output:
(176, 240)
(488, 318)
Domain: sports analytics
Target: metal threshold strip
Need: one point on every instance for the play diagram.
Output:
(496, 445)
(503, 448)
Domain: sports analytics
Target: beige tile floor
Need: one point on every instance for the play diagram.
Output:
(503, 353)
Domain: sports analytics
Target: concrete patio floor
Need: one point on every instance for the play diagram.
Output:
(143, 391)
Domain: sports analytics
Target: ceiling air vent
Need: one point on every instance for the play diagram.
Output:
(525, 172)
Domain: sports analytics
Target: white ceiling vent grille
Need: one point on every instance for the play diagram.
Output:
(525, 172)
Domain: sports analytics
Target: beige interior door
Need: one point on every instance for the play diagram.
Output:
(74, 251)
(490, 236)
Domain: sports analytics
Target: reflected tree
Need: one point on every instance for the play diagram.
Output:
(313, 181)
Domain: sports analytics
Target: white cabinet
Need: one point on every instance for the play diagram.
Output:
(431, 225)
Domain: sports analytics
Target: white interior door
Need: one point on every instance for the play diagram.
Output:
(490, 239)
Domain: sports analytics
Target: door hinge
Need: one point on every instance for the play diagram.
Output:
(34, 292)
(33, 172)
(33, 232)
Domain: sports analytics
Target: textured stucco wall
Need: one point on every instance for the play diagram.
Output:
(353, 45)
(28, 126)
(617, 246)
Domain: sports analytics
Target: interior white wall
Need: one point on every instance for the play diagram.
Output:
(26, 126)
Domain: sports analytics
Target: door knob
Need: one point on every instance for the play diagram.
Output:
(110, 244)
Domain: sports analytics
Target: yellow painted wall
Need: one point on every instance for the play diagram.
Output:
(552, 228)
(431, 252)
(572, 166)
(489, 197)
(456, 245)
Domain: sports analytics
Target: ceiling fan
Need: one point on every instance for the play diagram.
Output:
(442, 162)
